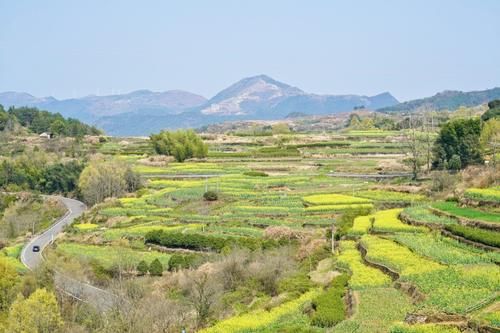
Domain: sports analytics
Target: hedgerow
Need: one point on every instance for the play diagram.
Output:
(329, 306)
(203, 242)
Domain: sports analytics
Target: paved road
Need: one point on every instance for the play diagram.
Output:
(81, 291)
(33, 259)
(369, 175)
(178, 176)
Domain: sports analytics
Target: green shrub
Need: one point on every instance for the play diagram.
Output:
(181, 144)
(142, 268)
(210, 196)
(255, 174)
(487, 237)
(297, 284)
(329, 306)
(156, 268)
(204, 242)
(181, 261)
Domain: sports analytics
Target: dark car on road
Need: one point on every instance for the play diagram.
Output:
(36, 248)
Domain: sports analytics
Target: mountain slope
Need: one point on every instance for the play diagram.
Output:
(91, 108)
(265, 98)
(446, 100)
(249, 95)
(143, 112)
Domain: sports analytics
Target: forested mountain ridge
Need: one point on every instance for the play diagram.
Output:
(39, 121)
(446, 100)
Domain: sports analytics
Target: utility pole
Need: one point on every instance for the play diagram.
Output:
(333, 239)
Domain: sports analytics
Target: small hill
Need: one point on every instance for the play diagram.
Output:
(446, 100)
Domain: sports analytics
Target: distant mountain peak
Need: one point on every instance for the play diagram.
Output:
(259, 89)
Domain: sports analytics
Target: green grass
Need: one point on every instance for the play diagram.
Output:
(470, 213)
(11, 254)
(111, 256)
(86, 226)
(142, 230)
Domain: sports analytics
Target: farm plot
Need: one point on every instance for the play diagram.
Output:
(487, 237)
(260, 319)
(138, 231)
(453, 289)
(110, 256)
(484, 194)
(445, 250)
(388, 221)
(385, 221)
(363, 276)
(334, 199)
(470, 213)
(391, 196)
(423, 215)
(397, 257)
(335, 202)
(378, 310)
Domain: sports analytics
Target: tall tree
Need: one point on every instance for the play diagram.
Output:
(490, 138)
(37, 314)
(493, 111)
(458, 137)
(9, 279)
(104, 179)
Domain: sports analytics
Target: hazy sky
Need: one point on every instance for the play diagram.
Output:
(410, 48)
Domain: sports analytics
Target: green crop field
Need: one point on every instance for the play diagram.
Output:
(470, 213)
(108, 256)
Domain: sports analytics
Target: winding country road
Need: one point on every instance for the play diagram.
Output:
(79, 290)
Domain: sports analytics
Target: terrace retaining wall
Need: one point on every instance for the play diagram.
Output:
(406, 287)
(469, 242)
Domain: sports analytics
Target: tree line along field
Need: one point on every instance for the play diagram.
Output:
(263, 235)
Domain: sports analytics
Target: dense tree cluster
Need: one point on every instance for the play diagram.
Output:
(179, 144)
(458, 145)
(39, 121)
(493, 110)
(33, 174)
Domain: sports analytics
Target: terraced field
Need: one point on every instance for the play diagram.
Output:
(399, 257)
